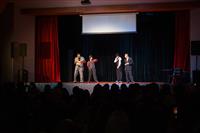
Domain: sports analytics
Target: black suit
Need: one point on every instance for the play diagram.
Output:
(128, 70)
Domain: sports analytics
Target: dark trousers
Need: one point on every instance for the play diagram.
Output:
(129, 75)
(119, 74)
(92, 72)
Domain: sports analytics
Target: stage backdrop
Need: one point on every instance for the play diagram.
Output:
(152, 47)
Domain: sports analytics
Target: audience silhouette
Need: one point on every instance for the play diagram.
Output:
(109, 109)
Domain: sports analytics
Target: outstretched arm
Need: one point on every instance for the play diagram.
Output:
(94, 60)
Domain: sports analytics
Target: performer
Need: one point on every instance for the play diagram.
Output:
(128, 68)
(79, 68)
(91, 68)
(118, 62)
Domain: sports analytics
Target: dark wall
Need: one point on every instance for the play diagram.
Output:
(6, 32)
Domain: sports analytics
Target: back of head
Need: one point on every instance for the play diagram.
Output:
(118, 122)
(66, 126)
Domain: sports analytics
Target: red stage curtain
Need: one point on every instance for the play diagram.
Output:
(182, 41)
(47, 64)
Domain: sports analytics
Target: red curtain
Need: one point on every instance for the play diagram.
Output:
(182, 41)
(47, 64)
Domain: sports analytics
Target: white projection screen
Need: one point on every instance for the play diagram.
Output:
(109, 23)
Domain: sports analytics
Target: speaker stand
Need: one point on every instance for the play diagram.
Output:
(12, 69)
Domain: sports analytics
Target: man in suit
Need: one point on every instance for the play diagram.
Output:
(79, 68)
(128, 68)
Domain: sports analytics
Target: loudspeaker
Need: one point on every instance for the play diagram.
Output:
(23, 49)
(195, 48)
(196, 76)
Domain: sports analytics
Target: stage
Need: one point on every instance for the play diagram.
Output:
(88, 85)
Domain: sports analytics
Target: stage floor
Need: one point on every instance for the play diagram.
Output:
(88, 85)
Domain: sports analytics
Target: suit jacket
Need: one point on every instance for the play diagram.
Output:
(91, 64)
(129, 66)
(79, 61)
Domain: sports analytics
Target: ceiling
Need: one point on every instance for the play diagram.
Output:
(74, 3)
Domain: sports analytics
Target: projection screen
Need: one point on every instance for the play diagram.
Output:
(109, 23)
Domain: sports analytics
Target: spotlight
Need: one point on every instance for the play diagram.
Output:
(85, 2)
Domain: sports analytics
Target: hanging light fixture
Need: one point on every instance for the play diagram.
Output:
(85, 2)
